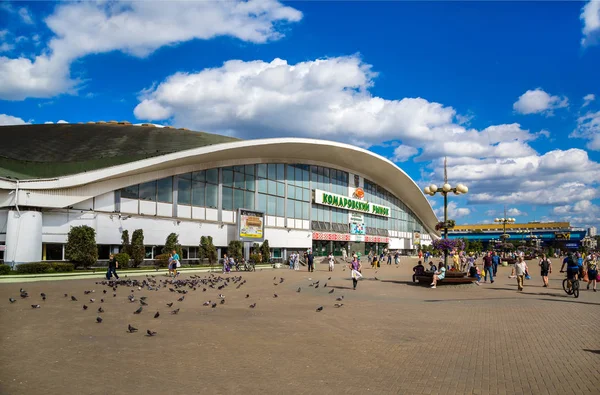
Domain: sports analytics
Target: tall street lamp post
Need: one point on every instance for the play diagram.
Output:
(505, 220)
(446, 189)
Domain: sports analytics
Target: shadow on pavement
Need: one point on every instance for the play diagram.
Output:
(403, 282)
(467, 299)
(592, 351)
(571, 301)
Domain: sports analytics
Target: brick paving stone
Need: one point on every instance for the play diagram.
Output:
(390, 337)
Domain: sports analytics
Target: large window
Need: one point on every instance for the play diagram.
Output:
(165, 190)
(130, 192)
(54, 252)
(271, 189)
(238, 187)
(298, 192)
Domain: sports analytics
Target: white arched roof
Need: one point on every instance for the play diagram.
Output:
(73, 188)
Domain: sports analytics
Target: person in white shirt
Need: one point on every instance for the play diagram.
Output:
(296, 261)
(331, 261)
(520, 269)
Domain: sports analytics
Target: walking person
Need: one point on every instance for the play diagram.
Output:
(170, 264)
(331, 261)
(296, 261)
(356, 268)
(520, 270)
(310, 259)
(397, 257)
(545, 269)
(225, 262)
(488, 268)
(291, 261)
(344, 254)
(389, 258)
(592, 270)
(495, 262)
(176, 263)
(113, 265)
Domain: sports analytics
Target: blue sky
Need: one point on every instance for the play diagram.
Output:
(509, 91)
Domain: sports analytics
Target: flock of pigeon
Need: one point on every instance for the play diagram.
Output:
(181, 287)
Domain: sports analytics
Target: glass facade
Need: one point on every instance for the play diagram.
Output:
(281, 190)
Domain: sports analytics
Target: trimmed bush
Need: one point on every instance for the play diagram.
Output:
(207, 249)
(138, 252)
(4, 269)
(45, 267)
(235, 250)
(123, 259)
(256, 258)
(172, 243)
(81, 248)
(162, 260)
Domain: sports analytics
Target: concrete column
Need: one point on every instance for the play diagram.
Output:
(23, 237)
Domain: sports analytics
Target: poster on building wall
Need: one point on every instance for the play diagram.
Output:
(251, 225)
(416, 238)
(357, 223)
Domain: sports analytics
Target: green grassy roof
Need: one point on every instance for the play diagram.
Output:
(42, 151)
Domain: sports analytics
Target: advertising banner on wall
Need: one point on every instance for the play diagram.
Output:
(351, 204)
(416, 238)
(357, 223)
(251, 225)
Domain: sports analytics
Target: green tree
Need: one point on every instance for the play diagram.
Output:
(125, 245)
(265, 251)
(172, 243)
(235, 249)
(81, 246)
(208, 250)
(138, 251)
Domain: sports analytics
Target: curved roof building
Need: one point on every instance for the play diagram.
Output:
(307, 193)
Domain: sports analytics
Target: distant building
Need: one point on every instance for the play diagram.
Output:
(556, 234)
(592, 232)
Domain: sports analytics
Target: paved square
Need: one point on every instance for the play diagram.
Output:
(389, 337)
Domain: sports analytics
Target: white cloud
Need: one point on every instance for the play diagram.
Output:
(84, 28)
(538, 101)
(10, 120)
(587, 99)
(590, 15)
(25, 16)
(402, 153)
(454, 212)
(515, 212)
(582, 213)
(6, 47)
(588, 127)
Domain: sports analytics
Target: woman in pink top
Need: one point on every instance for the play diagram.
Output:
(356, 267)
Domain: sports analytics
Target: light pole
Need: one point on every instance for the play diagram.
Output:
(432, 189)
(505, 220)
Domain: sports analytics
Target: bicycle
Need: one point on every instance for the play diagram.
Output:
(571, 287)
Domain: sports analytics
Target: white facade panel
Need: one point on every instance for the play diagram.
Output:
(24, 237)
(184, 211)
(280, 222)
(227, 216)
(270, 221)
(198, 213)
(305, 224)
(282, 238)
(396, 243)
(164, 209)
(212, 214)
(129, 206)
(87, 205)
(147, 208)
(105, 202)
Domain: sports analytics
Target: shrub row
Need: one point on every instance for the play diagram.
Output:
(45, 267)
(4, 269)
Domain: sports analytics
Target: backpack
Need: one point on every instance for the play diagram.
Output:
(545, 265)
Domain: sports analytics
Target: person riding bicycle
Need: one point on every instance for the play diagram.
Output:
(572, 266)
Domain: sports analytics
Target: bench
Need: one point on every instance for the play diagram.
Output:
(451, 278)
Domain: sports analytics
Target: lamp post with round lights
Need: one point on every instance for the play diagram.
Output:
(445, 190)
(504, 221)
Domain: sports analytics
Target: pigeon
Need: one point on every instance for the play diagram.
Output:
(92, 300)
(376, 279)
(143, 298)
(316, 286)
(221, 296)
(131, 329)
(181, 299)
(299, 289)
(320, 308)
(338, 305)
(156, 315)
(104, 291)
(253, 305)
(24, 295)
(274, 295)
(176, 311)
(98, 319)
(214, 305)
(84, 307)
(143, 303)
(43, 295)
(100, 310)
(222, 301)
(138, 310)
(114, 295)
(331, 291)
(206, 303)
(150, 333)
(325, 285)
(329, 278)
(340, 298)
(12, 300)
(66, 295)
(169, 304)
(247, 296)
(35, 306)
(87, 292)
